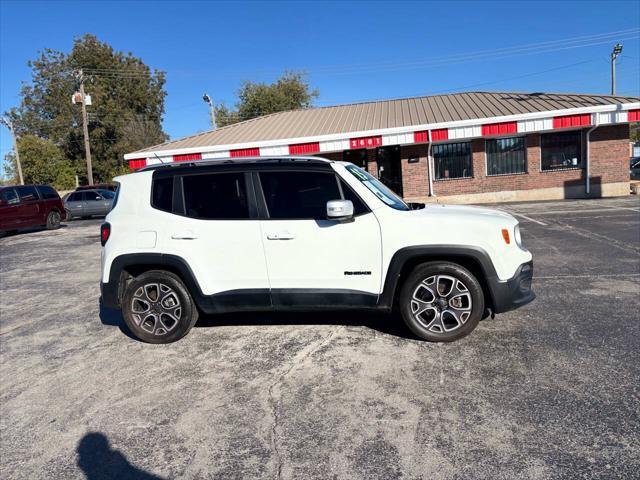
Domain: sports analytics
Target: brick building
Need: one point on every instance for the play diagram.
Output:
(462, 147)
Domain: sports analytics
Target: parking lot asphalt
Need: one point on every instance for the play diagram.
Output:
(547, 391)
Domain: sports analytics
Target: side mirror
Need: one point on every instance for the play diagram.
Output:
(341, 210)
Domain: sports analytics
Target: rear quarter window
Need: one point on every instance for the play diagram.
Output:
(47, 192)
(162, 194)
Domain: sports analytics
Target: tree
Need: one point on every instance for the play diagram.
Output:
(289, 92)
(42, 162)
(125, 94)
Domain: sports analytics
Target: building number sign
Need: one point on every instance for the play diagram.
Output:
(366, 142)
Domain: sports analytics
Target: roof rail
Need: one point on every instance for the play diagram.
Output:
(223, 161)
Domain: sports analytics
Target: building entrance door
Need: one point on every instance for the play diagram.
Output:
(389, 167)
(357, 157)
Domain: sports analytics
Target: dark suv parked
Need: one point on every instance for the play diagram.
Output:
(25, 206)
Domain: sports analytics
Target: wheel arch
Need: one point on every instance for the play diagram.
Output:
(125, 268)
(474, 259)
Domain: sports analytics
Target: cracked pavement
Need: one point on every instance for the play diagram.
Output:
(547, 391)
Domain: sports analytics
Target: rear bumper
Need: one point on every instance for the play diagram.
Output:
(515, 292)
(109, 295)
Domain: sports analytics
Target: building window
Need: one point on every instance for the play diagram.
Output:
(452, 160)
(506, 156)
(560, 151)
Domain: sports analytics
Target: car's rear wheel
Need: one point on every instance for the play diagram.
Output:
(441, 301)
(53, 220)
(157, 307)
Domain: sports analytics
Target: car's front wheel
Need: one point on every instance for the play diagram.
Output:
(441, 301)
(157, 307)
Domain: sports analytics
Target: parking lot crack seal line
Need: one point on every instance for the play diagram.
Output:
(597, 237)
(273, 401)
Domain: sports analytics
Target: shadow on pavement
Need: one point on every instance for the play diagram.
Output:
(98, 461)
(389, 324)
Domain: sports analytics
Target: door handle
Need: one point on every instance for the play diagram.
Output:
(280, 236)
(184, 236)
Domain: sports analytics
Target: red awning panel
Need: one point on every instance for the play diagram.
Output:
(304, 148)
(634, 116)
(503, 128)
(137, 163)
(245, 152)
(421, 137)
(187, 156)
(569, 121)
(439, 134)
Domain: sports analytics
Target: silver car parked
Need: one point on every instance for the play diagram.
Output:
(87, 203)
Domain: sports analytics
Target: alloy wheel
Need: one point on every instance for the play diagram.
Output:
(441, 303)
(156, 308)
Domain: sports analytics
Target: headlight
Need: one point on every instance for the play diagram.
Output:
(517, 237)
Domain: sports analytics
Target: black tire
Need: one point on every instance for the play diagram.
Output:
(53, 220)
(447, 317)
(140, 323)
(86, 217)
(69, 215)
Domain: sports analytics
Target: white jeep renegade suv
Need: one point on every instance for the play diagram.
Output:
(301, 233)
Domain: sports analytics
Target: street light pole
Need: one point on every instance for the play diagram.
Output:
(212, 110)
(7, 122)
(617, 50)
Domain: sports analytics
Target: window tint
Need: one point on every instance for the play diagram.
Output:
(358, 205)
(91, 196)
(506, 156)
(299, 195)
(75, 197)
(47, 192)
(162, 194)
(452, 160)
(216, 196)
(10, 196)
(108, 194)
(27, 192)
(561, 150)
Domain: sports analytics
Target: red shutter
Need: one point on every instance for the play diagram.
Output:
(569, 121)
(304, 148)
(137, 163)
(503, 128)
(421, 137)
(185, 157)
(634, 116)
(245, 152)
(366, 142)
(439, 134)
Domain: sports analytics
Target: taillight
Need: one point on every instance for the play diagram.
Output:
(105, 231)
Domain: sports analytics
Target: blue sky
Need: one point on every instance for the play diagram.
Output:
(352, 51)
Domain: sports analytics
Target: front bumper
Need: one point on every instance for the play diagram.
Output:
(515, 292)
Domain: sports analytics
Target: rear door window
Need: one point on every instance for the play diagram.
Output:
(216, 196)
(27, 193)
(75, 197)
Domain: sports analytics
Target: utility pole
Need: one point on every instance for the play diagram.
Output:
(9, 124)
(85, 129)
(617, 50)
(212, 110)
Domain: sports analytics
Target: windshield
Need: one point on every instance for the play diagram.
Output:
(378, 188)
